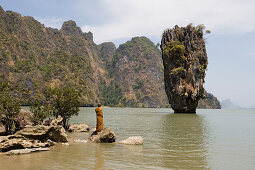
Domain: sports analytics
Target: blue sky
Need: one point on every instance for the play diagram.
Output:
(230, 46)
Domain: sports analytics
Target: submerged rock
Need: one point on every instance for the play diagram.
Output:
(185, 61)
(133, 140)
(82, 127)
(105, 136)
(80, 141)
(25, 151)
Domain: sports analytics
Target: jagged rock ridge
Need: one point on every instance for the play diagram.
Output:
(185, 61)
(34, 57)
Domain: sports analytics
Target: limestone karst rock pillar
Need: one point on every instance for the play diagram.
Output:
(185, 61)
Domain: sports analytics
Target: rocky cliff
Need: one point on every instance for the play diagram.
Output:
(137, 68)
(185, 61)
(209, 102)
(34, 57)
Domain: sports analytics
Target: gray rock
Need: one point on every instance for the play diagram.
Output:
(82, 127)
(133, 140)
(105, 136)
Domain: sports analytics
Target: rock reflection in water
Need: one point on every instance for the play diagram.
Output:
(184, 141)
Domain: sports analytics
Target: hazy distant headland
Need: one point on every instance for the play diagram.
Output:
(34, 57)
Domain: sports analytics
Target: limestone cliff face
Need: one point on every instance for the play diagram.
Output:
(185, 61)
(138, 70)
(209, 102)
(34, 57)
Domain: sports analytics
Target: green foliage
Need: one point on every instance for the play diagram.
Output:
(175, 49)
(24, 66)
(177, 70)
(9, 109)
(65, 102)
(110, 95)
(40, 109)
(202, 68)
(139, 84)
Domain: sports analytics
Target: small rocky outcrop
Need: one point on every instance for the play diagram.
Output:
(33, 137)
(82, 127)
(16, 141)
(133, 140)
(105, 136)
(185, 61)
(43, 133)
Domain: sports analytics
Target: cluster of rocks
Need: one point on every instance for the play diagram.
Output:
(33, 138)
(41, 137)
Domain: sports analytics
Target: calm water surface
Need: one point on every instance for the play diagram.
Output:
(210, 139)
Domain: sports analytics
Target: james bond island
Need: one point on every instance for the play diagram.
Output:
(185, 61)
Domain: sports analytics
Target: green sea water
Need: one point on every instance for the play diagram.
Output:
(211, 139)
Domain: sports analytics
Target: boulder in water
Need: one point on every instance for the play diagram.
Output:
(105, 136)
(57, 134)
(82, 127)
(133, 140)
(185, 62)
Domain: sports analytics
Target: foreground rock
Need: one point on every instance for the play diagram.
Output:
(13, 142)
(82, 127)
(25, 151)
(133, 140)
(33, 137)
(43, 133)
(185, 61)
(106, 136)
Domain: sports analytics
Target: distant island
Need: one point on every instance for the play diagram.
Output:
(34, 57)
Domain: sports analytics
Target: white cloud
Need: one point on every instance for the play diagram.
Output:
(51, 22)
(150, 17)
